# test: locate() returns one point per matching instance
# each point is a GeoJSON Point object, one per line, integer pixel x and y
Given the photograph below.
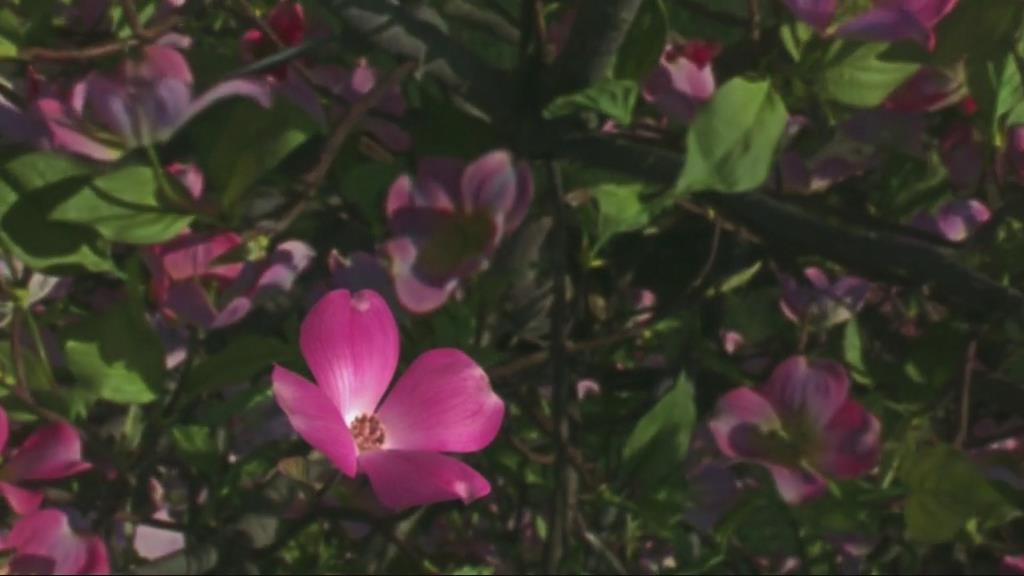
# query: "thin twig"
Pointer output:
{"type": "Point", "coordinates": [710, 263]}
{"type": "Point", "coordinates": [599, 546]}
{"type": "Point", "coordinates": [520, 365]}
{"type": "Point", "coordinates": [965, 395]}
{"type": "Point", "coordinates": [101, 50]}
{"type": "Point", "coordinates": [754, 12]}
{"type": "Point", "coordinates": [315, 178]}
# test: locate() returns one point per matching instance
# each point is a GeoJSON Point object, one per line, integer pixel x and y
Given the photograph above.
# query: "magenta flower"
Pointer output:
{"type": "Point", "coordinates": [802, 426]}
{"type": "Point", "coordinates": [44, 542]}
{"type": "Point", "coordinates": [145, 103]}
{"type": "Point", "coordinates": [955, 221]}
{"type": "Point", "coordinates": [51, 452]}
{"type": "Point", "coordinates": [930, 89]}
{"type": "Point", "coordinates": [449, 221]}
{"type": "Point", "coordinates": [823, 303]}
{"type": "Point", "coordinates": [443, 403]}
{"type": "Point", "coordinates": [201, 278]}
{"type": "Point", "coordinates": [683, 80]}
{"type": "Point", "coordinates": [886, 21]}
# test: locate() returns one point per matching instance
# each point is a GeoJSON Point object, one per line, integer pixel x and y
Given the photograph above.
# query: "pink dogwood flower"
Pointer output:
{"type": "Point", "coordinates": [195, 279]}
{"type": "Point", "coordinates": [44, 542]}
{"type": "Point", "coordinates": [802, 426]}
{"type": "Point", "coordinates": [956, 220]}
{"type": "Point", "coordinates": [442, 404]}
{"type": "Point", "coordinates": [822, 303]}
{"type": "Point", "coordinates": [683, 80]}
{"type": "Point", "coordinates": [449, 221]}
{"type": "Point", "coordinates": [885, 21]}
{"type": "Point", "coordinates": [51, 452]}
{"type": "Point", "coordinates": [145, 103]}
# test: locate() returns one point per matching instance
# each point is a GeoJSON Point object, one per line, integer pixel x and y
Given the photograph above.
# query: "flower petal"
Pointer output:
{"type": "Point", "coordinates": [741, 419]}
{"type": "Point", "coordinates": [806, 390]}
{"type": "Point", "coordinates": [817, 13]}
{"type": "Point", "coordinates": [489, 184]}
{"type": "Point", "coordinates": [21, 500]}
{"type": "Point", "coordinates": [797, 486]}
{"type": "Point", "coordinates": [850, 443]}
{"type": "Point", "coordinates": [52, 451]}
{"type": "Point", "coordinates": [444, 403]}
{"type": "Point", "coordinates": [887, 25]}
{"type": "Point", "coordinates": [4, 430]}
{"type": "Point", "coordinates": [401, 479]}
{"type": "Point", "coordinates": [350, 342]}
{"type": "Point", "coordinates": [315, 418]}
{"type": "Point", "coordinates": [251, 88]}
{"type": "Point", "coordinates": [415, 295]}
{"type": "Point", "coordinates": [45, 538]}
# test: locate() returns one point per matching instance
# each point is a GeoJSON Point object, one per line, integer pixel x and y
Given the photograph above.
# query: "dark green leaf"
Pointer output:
{"type": "Point", "coordinates": [857, 75]}
{"type": "Point", "coordinates": [660, 440]}
{"type": "Point", "coordinates": [644, 43]}
{"type": "Point", "coordinates": [613, 98]}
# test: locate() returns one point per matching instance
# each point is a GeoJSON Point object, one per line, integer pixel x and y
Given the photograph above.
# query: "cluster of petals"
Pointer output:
{"type": "Point", "coordinates": [802, 426]}
{"type": "Point", "coordinates": [449, 220]}
{"type": "Point", "coordinates": [820, 302]}
{"type": "Point", "coordinates": [105, 115]}
{"type": "Point", "coordinates": [51, 452]}
{"type": "Point", "coordinates": [44, 542]}
{"type": "Point", "coordinates": [683, 79]}
{"type": "Point", "coordinates": [955, 220]}
{"type": "Point", "coordinates": [885, 21]}
{"type": "Point", "coordinates": [288, 22]}
{"type": "Point", "coordinates": [201, 278]}
{"type": "Point", "coordinates": [443, 403]}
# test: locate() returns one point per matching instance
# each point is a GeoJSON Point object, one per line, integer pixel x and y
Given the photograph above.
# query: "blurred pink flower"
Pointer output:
{"type": "Point", "coordinates": [443, 403]}
{"type": "Point", "coordinates": [51, 452]}
{"type": "Point", "coordinates": [821, 303]}
{"type": "Point", "coordinates": [885, 21]}
{"type": "Point", "coordinates": [192, 279]}
{"type": "Point", "coordinates": [683, 80]}
{"type": "Point", "coordinates": [449, 221]}
{"type": "Point", "coordinates": [802, 426]}
{"type": "Point", "coordinates": [44, 542]}
{"type": "Point", "coordinates": [955, 221]}
{"type": "Point", "coordinates": [930, 89]}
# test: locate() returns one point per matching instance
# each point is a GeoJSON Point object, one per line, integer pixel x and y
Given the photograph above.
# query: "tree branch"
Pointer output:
{"type": "Point", "coordinates": [597, 33]}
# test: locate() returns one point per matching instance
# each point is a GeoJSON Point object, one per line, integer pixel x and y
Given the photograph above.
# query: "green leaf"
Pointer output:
{"type": "Point", "coordinates": [644, 42]}
{"type": "Point", "coordinates": [246, 142]}
{"type": "Point", "coordinates": [946, 492]}
{"type": "Point", "coordinates": [34, 170]}
{"type": "Point", "coordinates": [117, 355]}
{"type": "Point", "coordinates": [124, 206]}
{"type": "Point", "coordinates": [733, 140]}
{"type": "Point", "coordinates": [853, 353]}
{"type": "Point", "coordinates": [659, 442]}
{"type": "Point", "coordinates": [197, 446]}
{"type": "Point", "coordinates": [613, 98]}
{"type": "Point", "coordinates": [242, 359]}
{"type": "Point", "coordinates": [856, 75]}
{"type": "Point", "coordinates": [619, 210]}
{"type": "Point", "coordinates": [976, 29]}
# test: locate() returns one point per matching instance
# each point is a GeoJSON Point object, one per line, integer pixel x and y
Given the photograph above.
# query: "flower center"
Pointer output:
{"type": "Point", "coordinates": [368, 432]}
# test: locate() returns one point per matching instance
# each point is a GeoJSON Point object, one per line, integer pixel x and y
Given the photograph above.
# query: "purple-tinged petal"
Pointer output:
{"type": "Point", "coordinates": [930, 89]}
{"type": "Point", "coordinates": [807, 391]}
{"type": "Point", "coordinates": [682, 81]}
{"type": "Point", "coordinates": [233, 312]}
{"type": "Point", "coordinates": [489, 184]}
{"type": "Point", "coordinates": [402, 479]}
{"type": "Point", "coordinates": [52, 451]}
{"type": "Point", "coordinates": [251, 88]}
{"type": "Point", "coordinates": [361, 271]}
{"type": "Point", "coordinates": [389, 134]}
{"type": "Point", "coordinates": [817, 13]}
{"type": "Point", "coordinates": [64, 134]}
{"type": "Point", "coordinates": [21, 500]}
{"type": "Point", "coordinates": [414, 294]}
{"type": "Point", "coordinates": [188, 301]}
{"type": "Point", "coordinates": [191, 177]}
{"type": "Point", "coordinates": [443, 403]}
{"type": "Point", "coordinates": [316, 418]}
{"type": "Point", "coordinates": [152, 543]}
{"type": "Point", "coordinates": [850, 443]}
{"type": "Point", "coordinates": [350, 342]}
{"type": "Point", "coordinates": [741, 422]}
{"type": "Point", "coordinates": [284, 265]}
{"type": "Point", "coordinates": [44, 542]}
{"type": "Point", "coordinates": [954, 221]}
{"type": "Point", "coordinates": [963, 155]}
{"type": "Point", "coordinates": [928, 12]}
{"type": "Point", "coordinates": [198, 255]}
{"type": "Point", "coordinates": [302, 95]}
{"type": "Point", "coordinates": [883, 24]}
{"type": "Point", "coordinates": [4, 431]}
{"type": "Point", "coordinates": [797, 486]}
{"type": "Point", "coordinates": [1012, 565]}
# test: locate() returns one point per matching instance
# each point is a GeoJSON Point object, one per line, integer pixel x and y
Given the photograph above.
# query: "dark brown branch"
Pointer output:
{"type": "Point", "coordinates": [101, 50]}
{"type": "Point", "coordinates": [597, 33]}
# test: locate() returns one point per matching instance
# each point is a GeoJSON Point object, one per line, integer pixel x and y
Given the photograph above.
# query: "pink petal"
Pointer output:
{"type": "Point", "coordinates": [52, 451]}
{"type": "Point", "coordinates": [850, 442]}
{"type": "Point", "coordinates": [797, 486]}
{"type": "Point", "coordinates": [302, 95]}
{"type": "Point", "coordinates": [152, 543]}
{"type": "Point", "coordinates": [288, 21]}
{"type": "Point", "coordinates": [21, 500]}
{"type": "Point", "coordinates": [444, 403]}
{"type": "Point", "coordinates": [315, 417]}
{"type": "Point", "coordinates": [489, 184]}
{"type": "Point", "coordinates": [807, 391]}
{"type": "Point", "coordinates": [4, 430]}
{"type": "Point", "coordinates": [254, 89]}
{"type": "Point", "coordinates": [817, 13]}
{"type": "Point", "coordinates": [887, 25]}
{"type": "Point", "coordinates": [414, 294]}
{"type": "Point", "coordinates": [197, 255]}
{"type": "Point", "coordinates": [401, 479]}
{"type": "Point", "coordinates": [742, 418]}
{"type": "Point", "coordinates": [350, 342]}
{"type": "Point", "coordinates": [190, 176]}
{"type": "Point", "coordinates": [45, 539]}
{"type": "Point", "coordinates": [283, 266]}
